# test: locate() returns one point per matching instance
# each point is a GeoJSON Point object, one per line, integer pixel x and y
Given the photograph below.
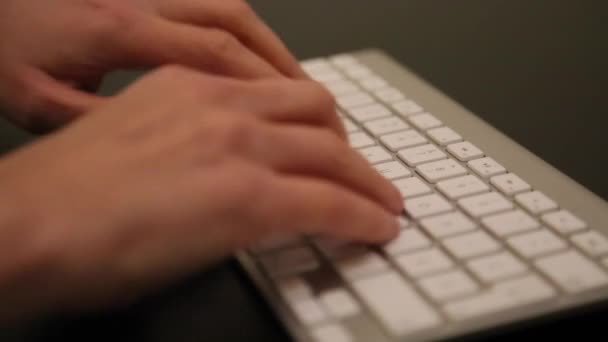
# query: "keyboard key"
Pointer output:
{"type": "Point", "coordinates": [573, 272]}
{"type": "Point", "coordinates": [357, 71]}
{"type": "Point", "coordinates": [426, 205]}
{"type": "Point", "coordinates": [486, 167]}
{"type": "Point", "coordinates": [375, 154]}
{"type": "Point", "coordinates": [423, 263]}
{"type": "Point", "coordinates": [343, 60]}
{"type": "Point", "coordinates": [464, 151]}
{"type": "Point", "coordinates": [369, 112]}
{"type": "Point", "coordinates": [535, 202]}
{"type": "Point", "coordinates": [386, 125]}
{"type": "Point", "coordinates": [349, 126]}
{"type": "Point", "coordinates": [393, 170]}
{"type": "Point", "coordinates": [509, 223]}
{"type": "Point", "coordinates": [294, 288]}
{"type": "Point", "coordinates": [327, 77]}
{"type": "Point", "coordinates": [502, 296]}
{"type": "Point", "coordinates": [373, 83]}
{"type": "Point", "coordinates": [534, 244]}
{"type": "Point", "coordinates": [316, 65]}
{"type": "Point", "coordinates": [448, 224]}
{"type": "Point", "coordinates": [444, 135]}
{"type": "Point", "coordinates": [361, 265]}
{"type": "Point", "coordinates": [389, 95]}
{"type": "Point", "coordinates": [399, 140]}
{"type": "Point", "coordinates": [485, 204]}
{"type": "Point", "coordinates": [308, 311]}
{"type": "Point", "coordinates": [448, 286]}
{"type": "Point", "coordinates": [421, 154]}
{"type": "Point", "coordinates": [564, 222]}
{"type": "Point", "coordinates": [410, 187]}
{"type": "Point", "coordinates": [290, 261]}
{"type": "Point", "coordinates": [341, 87]}
{"type": "Point", "coordinates": [331, 333]}
{"type": "Point", "coordinates": [360, 139]}
{"type": "Point", "coordinates": [407, 107]}
{"type": "Point", "coordinates": [496, 267]}
{"type": "Point", "coordinates": [441, 169]}
{"type": "Point", "coordinates": [353, 100]}
{"type": "Point", "coordinates": [410, 239]}
{"type": "Point", "coordinates": [593, 243]}
{"type": "Point", "coordinates": [510, 184]}
{"type": "Point", "coordinates": [397, 306]}
{"type": "Point", "coordinates": [462, 186]}
{"type": "Point", "coordinates": [424, 121]}
{"type": "Point", "coordinates": [339, 303]}
{"type": "Point", "coordinates": [471, 244]}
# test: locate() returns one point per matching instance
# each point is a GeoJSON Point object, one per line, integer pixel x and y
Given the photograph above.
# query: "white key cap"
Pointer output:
{"type": "Point", "coordinates": [464, 151]}
{"type": "Point", "coordinates": [447, 224]}
{"type": "Point", "coordinates": [444, 135]}
{"type": "Point", "coordinates": [410, 239]}
{"type": "Point", "coordinates": [485, 204]}
{"type": "Point", "coordinates": [386, 125]}
{"type": "Point", "coordinates": [448, 286]}
{"type": "Point", "coordinates": [399, 307]}
{"type": "Point", "coordinates": [535, 202]}
{"type": "Point", "coordinates": [486, 167]}
{"type": "Point", "coordinates": [496, 267]}
{"type": "Point", "coordinates": [424, 121]}
{"type": "Point", "coordinates": [357, 71]}
{"type": "Point", "coordinates": [392, 170]}
{"type": "Point", "coordinates": [410, 187]}
{"type": "Point", "coordinates": [360, 139]}
{"type": "Point", "coordinates": [399, 140]}
{"type": "Point", "coordinates": [471, 244]}
{"type": "Point", "coordinates": [316, 65]}
{"type": "Point", "coordinates": [331, 333]}
{"type": "Point", "coordinates": [421, 154]}
{"type": "Point", "coordinates": [573, 272]}
{"type": "Point", "coordinates": [361, 265]}
{"type": "Point", "coordinates": [536, 243]}
{"type": "Point", "coordinates": [369, 112]}
{"type": "Point", "coordinates": [353, 100]}
{"type": "Point", "coordinates": [503, 296]}
{"type": "Point", "coordinates": [462, 186]}
{"type": "Point", "coordinates": [564, 222]}
{"type": "Point", "coordinates": [407, 107]}
{"type": "Point", "coordinates": [375, 154]}
{"type": "Point", "coordinates": [309, 311]}
{"type": "Point", "coordinates": [426, 205]}
{"type": "Point", "coordinates": [290, 261]}
{"type": "Point", "coordinates": [592, 242]}
{"type": "Point", "coordinates": [441, 169]}
{"type": "Point", "coordinates": [294, 288]}
{"type": "Point", "coordinates": [424, 262]}
{"type": "Point", "coordinates": [349, 126]}
{"type": "Point", "coordinates": [509, 223]}
{"type": "Point", "coordinates": [389, 95]}
{"type": "Point", "coordinates": [373, 83]}
{"type": "Point", "coordinates": [510, 184]}
{"type": "Point", "coordinates": [339, 303]}
{"type": "Point", "coordinates": [342, 87]}
{"type": "Point", "coordinates": [343, 60]}
{"type": "Point", "coordinates": [327, 77]}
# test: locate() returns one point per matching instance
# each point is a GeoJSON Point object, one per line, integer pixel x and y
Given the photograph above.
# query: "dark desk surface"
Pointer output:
{"type": "Point", "coordinates": [536, 70]}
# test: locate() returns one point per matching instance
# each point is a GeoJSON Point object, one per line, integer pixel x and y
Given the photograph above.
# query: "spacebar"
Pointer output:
{"type": "Point", "coordinates": [398, 307]}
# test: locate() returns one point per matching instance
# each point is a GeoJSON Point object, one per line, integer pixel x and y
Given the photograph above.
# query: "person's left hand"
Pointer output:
{"type": "Point", "coordinates": [54, 53]}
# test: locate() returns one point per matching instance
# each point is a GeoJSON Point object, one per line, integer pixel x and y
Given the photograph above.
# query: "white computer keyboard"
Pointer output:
{"type": "Point", "coordinates": [478, 241]}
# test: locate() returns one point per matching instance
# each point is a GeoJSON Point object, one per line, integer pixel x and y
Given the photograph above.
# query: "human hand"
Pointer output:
{"type": "Point", "coordinates": [177, 171]}
{"type": "Point", "coordinates": [52, 54]}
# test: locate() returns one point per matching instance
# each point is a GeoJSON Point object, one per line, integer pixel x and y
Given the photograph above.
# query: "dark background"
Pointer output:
{"type": "Point", "coordinates": [536, 70]}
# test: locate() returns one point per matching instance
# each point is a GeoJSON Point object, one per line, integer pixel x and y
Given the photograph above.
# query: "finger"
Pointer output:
{"type": "Point", "coordinates": [306, 151]}
{"type": "Point", "coordinates": [47, 103]}
{"type": "Point", "coordinates": [313, 206]}
{"type": "Point", "coordinates": [156, 41]}
{"type": "Point", "coordinates": [290, 101]}
{"type": "Point", "coordinates": [236, 17]}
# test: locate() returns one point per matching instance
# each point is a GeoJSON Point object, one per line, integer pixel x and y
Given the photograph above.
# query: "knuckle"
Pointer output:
{"type": "Point", "coordinates": [112, 18]}
{"type": "Point", "coordinates": [234, 134]}
{"type": "Point", "coordinates": [222, 44]}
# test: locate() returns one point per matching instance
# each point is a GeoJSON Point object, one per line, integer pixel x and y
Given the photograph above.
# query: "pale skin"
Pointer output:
{"type": "Point", "coordinates": [184, 167]}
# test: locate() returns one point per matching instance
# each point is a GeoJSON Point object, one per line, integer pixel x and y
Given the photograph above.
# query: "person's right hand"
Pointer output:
{"type": "Point", "coordinates": [179, 170]}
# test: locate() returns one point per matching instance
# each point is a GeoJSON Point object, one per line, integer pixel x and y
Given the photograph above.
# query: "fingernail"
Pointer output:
{"type": "Point", "coordinates": [397, 202]}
